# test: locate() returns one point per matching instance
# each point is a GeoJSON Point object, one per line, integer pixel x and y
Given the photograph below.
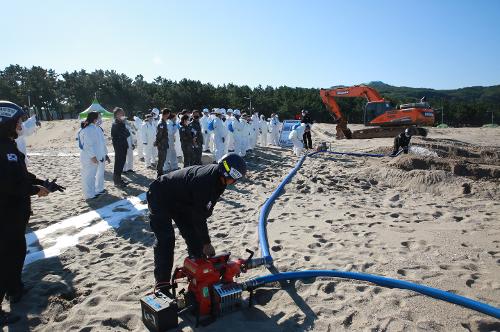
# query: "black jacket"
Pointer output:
{"type": "Point", "coordinates": [162, 135]}
{"type": "Point", "coordinates": [403, 140]}
{"type": "Point", "coordinates": [188, 195]}
{"type": "Point", "coordinates": [16, 185]}
{"type": "Point", "coordinates": [197, 133]}
{"type": "Point", "coordinates": [307, 119]}
{"type": "Point", "coordinates": [119, 134]}
{"type": "Point", "coordinates": [186, 135]}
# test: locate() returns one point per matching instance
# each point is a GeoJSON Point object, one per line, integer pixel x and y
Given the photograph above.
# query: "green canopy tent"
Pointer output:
{"type": "Point", "coordinates": [96, 107]}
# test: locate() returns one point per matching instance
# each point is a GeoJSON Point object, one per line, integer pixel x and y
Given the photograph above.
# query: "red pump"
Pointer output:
{"type": "Point", "coordinates": [212, 290]}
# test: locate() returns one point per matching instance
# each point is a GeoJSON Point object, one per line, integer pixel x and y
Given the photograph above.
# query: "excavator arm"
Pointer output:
{"type": "Point", "coordinates": [328, 98]}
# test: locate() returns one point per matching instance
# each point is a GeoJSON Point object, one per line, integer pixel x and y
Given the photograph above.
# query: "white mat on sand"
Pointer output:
{"type": "Point", "coordinates": [68, 233]}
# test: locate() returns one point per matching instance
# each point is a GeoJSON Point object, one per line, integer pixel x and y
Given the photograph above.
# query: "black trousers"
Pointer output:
{"type": "Point", "coordinates": [308, 144]}
{"type": "Point", "coordinates": [12, 254]}
{"type": "Point", "coordinates": [162, 156]}
{"type": "Point", "coordinates": [187, 151]}
{"type": "Point", "coordinates": [120, 158]}
{"type": "Point", "coordinates": [161, 225]}
{"type": "Point", "coordinates": [196, 158]}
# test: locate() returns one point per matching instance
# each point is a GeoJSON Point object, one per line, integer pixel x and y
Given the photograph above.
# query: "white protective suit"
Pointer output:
{"type": "Point", "coordinates": [255, 130]}
{"type": "Point", "coordinates": [29, 127]}
{"type": "Point", "coordinates": [239, 137]}
{"type": "Point", "coordinates": [296, 137]}
{"type": "Point", "coordinates": [274, 130]}
{"type": "Point", "coordinates": [220, 138]}
{"type": "Point", "coordinates": [138, 137]}
{"type": "Point", "coordinates": [230, 134]}
{"type": "Point", "coordinates": [148, 140]}
{"type": "Point", "coordinates": [129, 162]}
{"type": "Point", "coordinates": [204, 120]}
{"type": "Point", "coordinates": [92, 144]}
{"type": "Point", "coordinates": [263, 131]}
{"type": "Point", "coordinates": [173, 138]}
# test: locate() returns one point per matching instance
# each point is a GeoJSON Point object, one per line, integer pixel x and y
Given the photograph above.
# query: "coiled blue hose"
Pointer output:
{"type": "Point", "coordinates": [375, 279]}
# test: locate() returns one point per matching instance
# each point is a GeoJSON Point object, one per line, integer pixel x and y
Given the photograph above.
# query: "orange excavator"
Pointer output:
{"type": "Point", "coordinates": [389, 120]}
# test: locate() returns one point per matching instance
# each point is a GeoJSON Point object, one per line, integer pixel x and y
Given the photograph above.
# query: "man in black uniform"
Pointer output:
{"type": "Point", "coordinates": [119, 135]}
{"type": "Point", "coordinates": [198, 138]}
{"type": "Point", "coordinates": [306, 118]}
{"type": "Point", "coordinates": [17, 185]}
{"type": "Point", "coordinates": [186, 140]}
{"type": "Point", "coordinates": [161, 141]}
{"type": "Point", "coordinates": [402, 141]}
{"type": "Point", "coordinates": [188, 197]}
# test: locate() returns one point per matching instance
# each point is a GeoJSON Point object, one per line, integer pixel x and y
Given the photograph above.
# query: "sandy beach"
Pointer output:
{"type": "Point", "coordinates": [430, 217]}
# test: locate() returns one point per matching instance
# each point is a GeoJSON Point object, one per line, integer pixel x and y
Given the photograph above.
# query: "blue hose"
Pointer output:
{"type": "Point", "coordinates": [381, 281]}
{"type": "Point", "coordinates": [375, 279]}
{"type": "Point", "coordinates": [264, 212]}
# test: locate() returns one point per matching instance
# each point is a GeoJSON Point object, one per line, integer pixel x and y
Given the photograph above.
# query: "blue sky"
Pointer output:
{"type": "Point", "coordinates": [419, 43]}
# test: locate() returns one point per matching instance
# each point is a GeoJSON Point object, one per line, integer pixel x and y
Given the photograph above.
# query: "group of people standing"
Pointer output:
{"type": "Point", "coordinates": [233, 131]}
{"type": "Point", "coordinates": [164, 136]}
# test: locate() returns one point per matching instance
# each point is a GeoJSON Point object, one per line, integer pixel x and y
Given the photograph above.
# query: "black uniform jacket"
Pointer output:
{"type": "Point", "coordinates": [16, 185]}
{"type": "Point", "coordinates": [186, 135]}
{"type": "Point", "coordinates": [403, 140]}
{"type": "Point", "coordinates": [188, 195]}
{"type": "Point", "coordinates": [119, 134]}
{"type": "Point", "coordinates": [196, 131]}
{"type": "Point", "coordinates": [162, 135]}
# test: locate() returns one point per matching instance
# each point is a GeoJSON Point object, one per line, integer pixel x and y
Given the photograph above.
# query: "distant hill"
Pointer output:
{"type": "Point", "coordinates": [478, 94]}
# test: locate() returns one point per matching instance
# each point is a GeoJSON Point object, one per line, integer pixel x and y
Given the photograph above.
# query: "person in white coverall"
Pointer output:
{"type": "Point", "coordinates": [238, 134]}
{"type": "Point", "coordinates": [263, 132]}
{"type": "Point", "coordinates": [171, 163]}
{"type": "Point", "coordinates": [220, 138]}
{"type": "Point", "coordinates": [204, 120]}
{"type": "Point", "coordinates": [156, 120]}
{"type": "Point", "coordinates": [296, 136]}
{"type": "Point", "coordinates": [274, 126]}
{"type": "Point", "coordinates": [29, 127]}
{"type": "Point", "coordinates": [230, 134]}
{"type": "Point", "coordinates": [255, 130]}
{"type": "Point", "coordinates": [223, 117]}
{"type": "Point", "coordinates": [148, 140]}
{"type": "Point", "coordinates": [138, 137]}
{"type": "Point", "coordinates": [93, 155]}
{"type": "Point", "coordinates": [129, 162]}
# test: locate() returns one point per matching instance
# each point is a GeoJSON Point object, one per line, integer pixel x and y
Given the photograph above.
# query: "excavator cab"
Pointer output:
{"type": "Point", "coordinates": [374, 109]}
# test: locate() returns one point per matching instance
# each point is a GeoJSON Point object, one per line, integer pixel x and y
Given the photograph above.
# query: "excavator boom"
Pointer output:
{"type": "Point", "coordinates": [378, 112]}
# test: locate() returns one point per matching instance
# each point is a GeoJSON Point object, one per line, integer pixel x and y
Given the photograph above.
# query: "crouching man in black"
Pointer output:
{"type": "Point", "coordinates": [402, 141]}
{"type": "Point", "coordinates": [187, 197]}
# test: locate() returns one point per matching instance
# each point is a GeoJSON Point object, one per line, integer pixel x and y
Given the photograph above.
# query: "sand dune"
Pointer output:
{"type": "Point", "coordinates": [430, 220]}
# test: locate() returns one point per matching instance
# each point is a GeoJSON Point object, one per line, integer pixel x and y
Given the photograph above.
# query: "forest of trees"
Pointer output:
{"type": "Point", "coordinates": [72, 92]}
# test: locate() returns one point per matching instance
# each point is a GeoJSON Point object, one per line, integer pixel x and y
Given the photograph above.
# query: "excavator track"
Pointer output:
{"type": "Point", "coordinates": [382, 132]}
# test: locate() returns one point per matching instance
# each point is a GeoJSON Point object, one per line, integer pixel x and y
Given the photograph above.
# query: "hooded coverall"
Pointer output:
{"type": "Point", "coordinates": [92, 144]}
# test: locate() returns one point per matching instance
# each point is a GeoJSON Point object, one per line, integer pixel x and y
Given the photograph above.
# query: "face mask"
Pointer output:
{"type": "Point", "coordinates": [123, 118]}
{"type": "Point", "coordinates": [99, 122]}
{"type": "Point", "coordinates": [19, 132]}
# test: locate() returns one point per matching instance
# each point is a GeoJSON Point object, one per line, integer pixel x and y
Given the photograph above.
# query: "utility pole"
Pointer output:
{"type": "Point", "coordinates": [250, 99]}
